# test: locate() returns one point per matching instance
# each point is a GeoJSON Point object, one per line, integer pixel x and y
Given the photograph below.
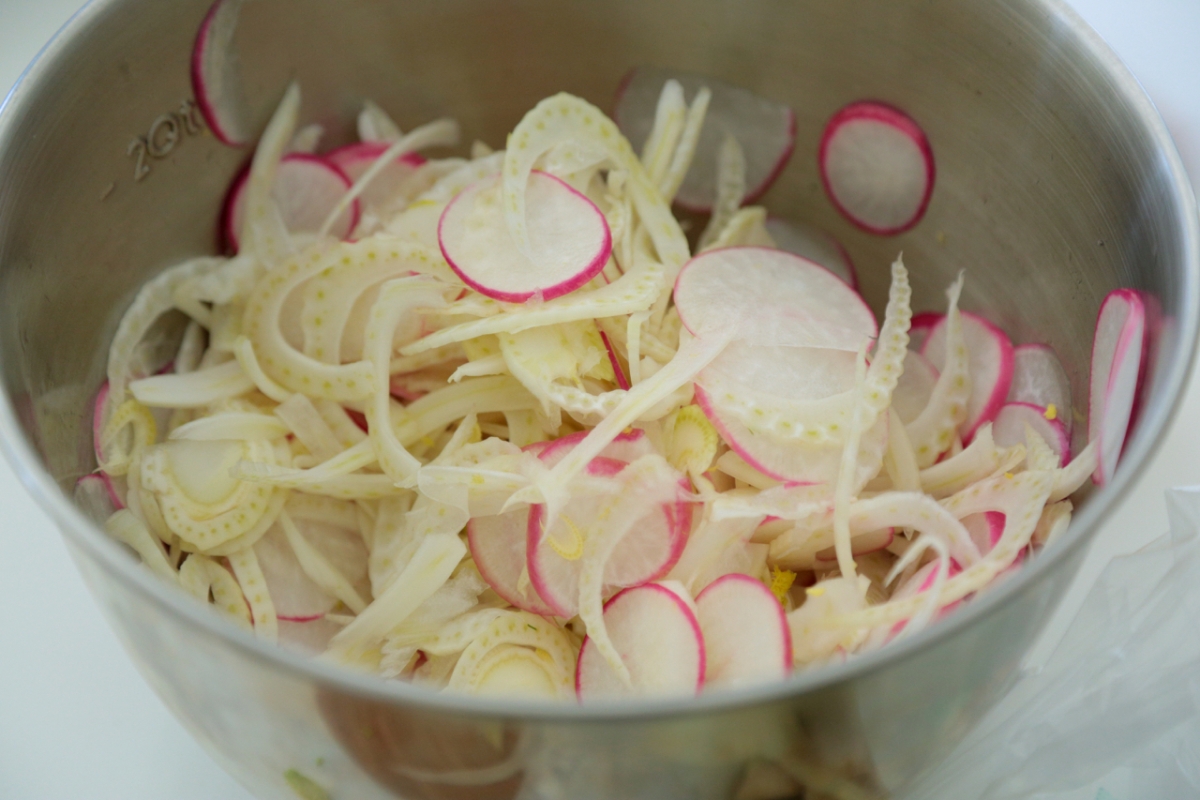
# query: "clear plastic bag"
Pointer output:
{"type": "Point", "coordinates": [1114, 713]}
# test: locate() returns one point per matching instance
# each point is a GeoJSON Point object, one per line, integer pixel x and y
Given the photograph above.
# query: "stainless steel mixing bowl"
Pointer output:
{"type": "Point", "coordinates": [1057, 182]}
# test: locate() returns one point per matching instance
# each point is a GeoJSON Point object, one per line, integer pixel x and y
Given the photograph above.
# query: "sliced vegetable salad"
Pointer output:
{"type": "Point", "coordinates": [496, 425]}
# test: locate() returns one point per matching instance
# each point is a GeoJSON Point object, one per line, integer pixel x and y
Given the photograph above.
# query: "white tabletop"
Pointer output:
{"type": "Point", "coordinates": [77, 721]}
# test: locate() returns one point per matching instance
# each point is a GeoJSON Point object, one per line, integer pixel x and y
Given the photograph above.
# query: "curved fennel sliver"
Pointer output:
{"type": "Point", "coordinates": [933, 430]}
{"type": "Point", "coordinates": [264, 236]}
{"type": "Point", "coordinates": [397, 298]}
{"type": "Point", "coordinates": [283, 363]}
{"type": "Point", "coordinates": [155, 298]}
{"type": "Point", "coordinates": [1020, 498]}
{"type": "Point", "coordinates": [632, 292]}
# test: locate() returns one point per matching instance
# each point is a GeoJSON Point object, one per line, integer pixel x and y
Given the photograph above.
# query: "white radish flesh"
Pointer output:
{"type": "Point", "coordinates": [297, 598]}
{"type": "Point", "coordinates": [215, 76]}
{"type": "Point", "coordinates": [306, 189]}
{"type": "Point", "coordinates": [1012, 419]}
{"type": "Point", "coordinates": [555, 558]}
{"type": "Point", "coordinates": [355, 159]}
{"type": "Point", "coordinates": [765, 130]}
{"type": "Point", "coordinates": [1117, 363]}
{"type": "Point", "coordinates": [771, 298]}
{"type": "Point", "coordinates": [659, 639]}
{"type": "Point", "coordinates": [990, 355]}
{"type": "Point", "coordinates": [1039, 378]}
{"type": "Point", "coordinates": [746, 635]}
{"type": "Point", "coordinates": [569, 240]}
{"type": "Point", "coordinates": [915, 387]}
{"type": "Point", "coordinates": [985, 529]}
{"type": "Point", "coordinates": [877, 167]}
{"type": "Point", "coordinates": [921, 325]}
{"type": "Point", "coordinates": [809, 241]}
{"type": "Point", "coordinates": [498, 546]}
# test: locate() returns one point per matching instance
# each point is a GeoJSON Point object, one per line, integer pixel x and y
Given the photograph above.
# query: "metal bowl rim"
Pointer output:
{"type": "Point", "coordinates": [1151, 431]}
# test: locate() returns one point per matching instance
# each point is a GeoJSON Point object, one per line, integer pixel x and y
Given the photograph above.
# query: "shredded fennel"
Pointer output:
{"type": "Point", "coordinates": [423, 449]}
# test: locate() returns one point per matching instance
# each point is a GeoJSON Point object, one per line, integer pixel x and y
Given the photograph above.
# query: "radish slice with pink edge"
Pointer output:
{"type": "Point", "coordinates": [306, 189]}
{"type": "Point", "coordinates": [1151, 340]}
{"type": "Point", "coordinates": [798, 327]}
{"type": "Point", "coordinates": [655, 631]}
{"type": "Point", "coordinates": [877, 167]}
{"type": "Point", "coordinates": [919, 328]}
{"type": "Point", "coordinates": [647, 551]}
{"type": "Point", "coordinates": [746, 633]}
{"type": "Point", "coordinates": [922, 581]}
{"type": "Point", "coordinates": [618, 373]}
{"type": "Point", "coordinates": [216, 79]}
{"type": "Point", "coordinates": [1039, 378]}
{"type": "Point", "coordinates": [95, 498]}
{"type": "Point", "coordinates": [990, 359]}
{"type": "Point", "coordinates": [771, 298]}
{"type": "Point", "coordinates": [1008, 428]}
{"type": "Point", "coordinates": [985, 529]}
{"type": "Point", "coordinates": [497, 545]}
{"type": "Point", "coordinates": [1117, 363]}
{"type": "Point", "coordinates": [766, 131]}
{"type": "Point", "coordinates": [311, 637]}
{"type": "Point", "coordinates": [629, 446]}
{"type": "Point", "coordinates": [915, 387]}
{"type": "Point", "coordinates": [809, 241]}
{"type": "Point", "coordinates": [789, 460]}
{"type": "Point", "coordinates": [355, 159]}
{"type": "Point", "coordinates": [297, 597]}
{"type": "Point", "coordinates": [569, 238]}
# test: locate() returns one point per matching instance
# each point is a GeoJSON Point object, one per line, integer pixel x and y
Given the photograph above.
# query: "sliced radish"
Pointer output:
{"type": "Point", "coordinates": [1009, 428]}
{"type": "Point", "coordinates": [629, 446]}
{"type": "Point", "coordinates": [296, 597]}
{"type": "Point", "coordinates": [922, 581]}
{"type": "Point", "coordinates": [648, 551]}
{"type": "Point", "coordinates": [1039, 378]}
{"type": "Point", "coordinates": [1118, 358]}
{"type": "Point", "coordinates": [498, 546]}
{"type": "Point", "coordinates": [306, 189]}
{"type": "Point", "coordinates": [920, 326]}
{"type": "Point", "coordinates": [809, 241]}
{"type": "Point", "coordinates": [1151, 340]}
{"type": "Point", "coordinates": [618, 373]}
{"type": "Point", "coordinates": [355, 159]}
{"type": "Point", "coordinates": [95, 497]}
{"type": "Point", "coordinates": [985, 529]}
{"type": "Point", "coordinates": [311, 637]}
{"type": "Point", "coordinates": [781, 392]}
{"type": "Point", "coordinates": [784, 459]}
{"type": "Point", "coordinates": [569, 236]}
{"type": "Point", "coordinates": [990, 356]}
{"type": "Point", "coordinates": [654, 629]}
{"type": "Point", "coordinates": [766, 130]}
{"type": "Point", "coordinates": [877, 167]}
{"type": "Point", "coordinates": [746, 634]}
{"type": "Point", "coordinates": [771, 298]}
{"type": "Point", "coordinates": [915, 386]}
{"type": "Point", "coordinates": [215, 76]}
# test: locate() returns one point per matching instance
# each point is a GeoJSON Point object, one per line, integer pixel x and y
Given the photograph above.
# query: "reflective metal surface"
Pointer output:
{"type": "Point", "coordinates": [1057, 183]}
